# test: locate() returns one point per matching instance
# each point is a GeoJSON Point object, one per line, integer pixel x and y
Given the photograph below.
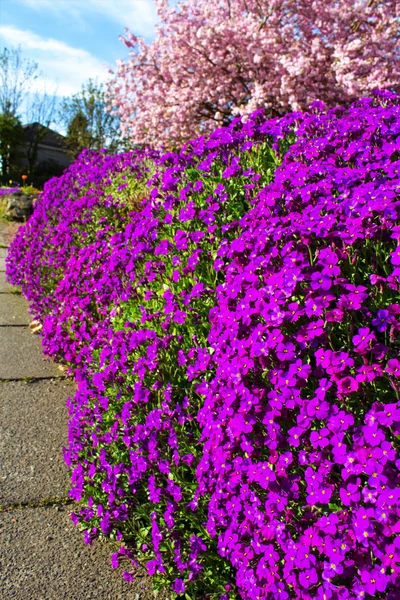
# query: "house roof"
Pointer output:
{"type": "Point", "coordinates": [52, 138]}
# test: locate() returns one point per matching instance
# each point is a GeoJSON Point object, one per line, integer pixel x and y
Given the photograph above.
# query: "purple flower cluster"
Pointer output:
{"type": "Point", "coordinates": [136, 397]}
{"type": "Point", "coordinates": [6, 191]}
{"type": "Point", "coordinates": [301, 415]}
{"type": "Point", "coordinates": [68, 215]}
{"type": "Point", "coordinates": [230, 314]}
{"type": "Point", "coordinates": [124, 298]}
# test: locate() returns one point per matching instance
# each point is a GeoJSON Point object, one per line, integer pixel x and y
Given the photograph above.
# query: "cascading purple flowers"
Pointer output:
{"type": "Point", "coordinates": [233, 334]}
{"type": "Point", "coordinates": [301, 418]}
{"type": "Point", "coordinates": [62, 215]}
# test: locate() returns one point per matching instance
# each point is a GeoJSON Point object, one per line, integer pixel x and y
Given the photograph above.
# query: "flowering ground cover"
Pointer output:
{"type": "Point", "coordinates": [4, 191]}
{"type": "Point", "coordinates": [234, 341]}
{"type": "Point", "coordinates": [301, 419]}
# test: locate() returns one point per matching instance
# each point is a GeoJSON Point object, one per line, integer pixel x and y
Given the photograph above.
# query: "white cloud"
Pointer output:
{"type": "Point", "coordinates": [138, 15]}
{"type": "Point", "coordinates": [64, 67]}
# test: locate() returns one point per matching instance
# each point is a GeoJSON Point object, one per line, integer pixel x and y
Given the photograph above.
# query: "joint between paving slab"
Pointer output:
{"type": "Point", "coordinates": [34, 379]}
{"type": "Point", "coordinates": [38, 504]}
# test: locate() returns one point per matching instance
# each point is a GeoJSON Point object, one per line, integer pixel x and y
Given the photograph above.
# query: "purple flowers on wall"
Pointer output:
{"type": "Point", "coordinates": [302, 461]}
{"type": "Point", "coordinates": [230, 314]}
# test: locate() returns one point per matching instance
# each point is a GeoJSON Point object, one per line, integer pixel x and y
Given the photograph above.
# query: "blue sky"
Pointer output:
{"type": "Point", "coordinates": [73, 40]}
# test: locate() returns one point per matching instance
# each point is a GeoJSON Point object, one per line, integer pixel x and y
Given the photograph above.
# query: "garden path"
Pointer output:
{"type": "Point", "coordinates": [42, 554]}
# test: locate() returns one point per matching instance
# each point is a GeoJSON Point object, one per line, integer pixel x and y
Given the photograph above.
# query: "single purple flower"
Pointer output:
{"type": "Point", "coordinates": [179, 586]}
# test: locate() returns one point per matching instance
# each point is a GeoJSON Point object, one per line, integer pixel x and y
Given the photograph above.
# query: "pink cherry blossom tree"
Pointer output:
{"type": "Point", "coordinates": [214, 59]}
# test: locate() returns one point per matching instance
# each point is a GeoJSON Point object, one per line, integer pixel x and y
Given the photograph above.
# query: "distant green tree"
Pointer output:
{"type": "Point", "coordinates": [11, 138]}
{"type": "Point", "coordinates": [78, 133]}
{"type": "Point", "coordinates": [86, 122]}
{"type": "Point", "coordinates": [17, 74]}
{"type": "Point", "coordinates": [42, 109]}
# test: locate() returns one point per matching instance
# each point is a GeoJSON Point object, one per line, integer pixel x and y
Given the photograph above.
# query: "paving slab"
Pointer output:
{"type": "Point", "coordinates": [21, 355]}
{"type": "Point", "coordinates": [13, 310]}
{"type": "Point", "coordinates": [43, 557]}
{"type": "Point", "coordinates": [7, 232]}
{"type": "Point", "coordinates": [5, 239]}
{"type": "Point", "coordinates": [5, 287]}
{"type": "Point", "coordinates": [3, 254]}
{"type": "Point", "coordinates": [33, 431]}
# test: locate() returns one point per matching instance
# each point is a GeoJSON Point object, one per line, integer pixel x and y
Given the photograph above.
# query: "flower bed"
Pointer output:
{"type": "Point", "coordinates": [301, 420]}
{"type": "Point", "coordinates": [5, 191]}
{"type": "Point", "coordinates": [234, 342]}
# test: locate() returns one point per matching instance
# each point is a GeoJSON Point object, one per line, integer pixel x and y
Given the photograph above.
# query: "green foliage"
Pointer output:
{"type": "Point", "coordinates": [11, 138]}
{"type": "Point", "coordinates": [29, 189]}
{"type": "Point", "coordinates": [88, 125]}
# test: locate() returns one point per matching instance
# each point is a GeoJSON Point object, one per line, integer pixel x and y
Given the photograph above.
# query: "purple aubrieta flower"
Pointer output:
{"type": "Point", "coordinates": [319, 438]}
{"type": "Point", "coordinates": [114, 560]}
{"type": "Point", "coordinates": [393, 367]}
{"type": "Point", "coordinates": [295, 434]}
{"type": "Point", "coordinates": [350, 494]}
{"type": "Point", "coordinates": [308, 578]}
{"type": "Point", "coordinates": [198, 186]}
{"type": "Point", "coordinates": [374, 580]}
{"type": "Point", "coordinates": [395, 256]}
{"type": "Point", "coordinates": [362, 341]}
{"type": "Point", "coordinates": [179, 586]}
{"type": "Point", "coordinates": [382, 320]}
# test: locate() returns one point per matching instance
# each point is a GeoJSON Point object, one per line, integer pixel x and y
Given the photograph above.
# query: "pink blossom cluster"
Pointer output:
{"type": "Point", "coordinates": [214, 59]}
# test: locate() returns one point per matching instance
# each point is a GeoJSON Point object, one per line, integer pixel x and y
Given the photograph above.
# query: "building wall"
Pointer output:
{"type": "Point", "coordinates": [46, 153]}
{"type": "Point", "coordinates": [49, 152]}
